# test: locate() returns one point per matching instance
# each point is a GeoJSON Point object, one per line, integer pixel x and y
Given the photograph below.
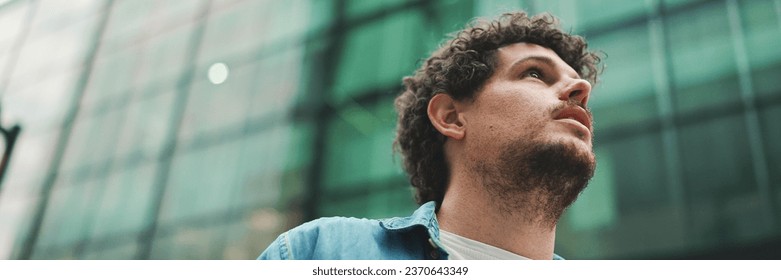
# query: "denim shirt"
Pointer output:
{"type": "Point", "coordinates": [403, 238]}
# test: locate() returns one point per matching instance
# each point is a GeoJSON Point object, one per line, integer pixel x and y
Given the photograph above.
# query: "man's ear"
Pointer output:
{"type": "Point", "coordinates": [445, 116]}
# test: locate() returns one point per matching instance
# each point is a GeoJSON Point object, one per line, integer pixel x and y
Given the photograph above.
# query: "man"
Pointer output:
{"type": "Point", "coordinates": [496, 138]}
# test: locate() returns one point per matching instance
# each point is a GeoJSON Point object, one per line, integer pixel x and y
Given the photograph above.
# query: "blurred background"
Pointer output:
{"type": "Point", "coordinates": [202, 129]}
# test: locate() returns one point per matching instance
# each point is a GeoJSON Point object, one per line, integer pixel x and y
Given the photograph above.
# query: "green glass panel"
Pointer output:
{"type": "Point", "coordinates": [111, 79]}
{"type": "Point", "coordinates": [123, 206]}
{"type": "Point", "coordinates": [126, 23]}
{"type": "Point", "coordinates": [239, 31]}
{"type": "Point", "coordinates": [453, 15]}
{"type": "Point", "coordinates": [673, 4]}
{"type": "Point", "coordinates": [627, 76]}
{"type": "Point", "coordinates": [640, 174]}
{"type": "Point", "coordinates": [716, 159]}
{"type": "Point", "coordinates": [272, 166]}
{"type": "Point", "coordinates": [702, 57]}
{"type": "Point", "coordinates": [213, 108]}
{"type": "Point", "coordinates": [597, 206]}
{"type": "Point", "coordinates": [762, 30]}
{"type": "Point", "coordinates": [163, 58]}
{"type": "Point", "coordinates": [190, 243]}
{"type": "Point", "coordinates": [94, 139]}
{"type": "Point", "coordinates": [144, 129]}
{"type": "Point", "coordinates": [277, 84]}
{"type": "Point", "coordinates": [359, 146]}
{"type": "Point", "coordinates": [12, 19]}
{"type": "Point", "coordinates": [125, 249]}
{"type": "Point", "coordinates": [771, 136]}
{"type": "Point", "coordinates": [631, 113]}
{"type": "Point", "coordinates": [357, 8]}
{"type": "Point", "coordinates": [587, 15]}
{"type": "Point", "coordinates": [201, 182]}
{"type": "Point", "coordinates": [391, 200]}
{"type": "Point", "coordinates": [69, 215]}
{"type": "Point", "coordinates": [380, 53]}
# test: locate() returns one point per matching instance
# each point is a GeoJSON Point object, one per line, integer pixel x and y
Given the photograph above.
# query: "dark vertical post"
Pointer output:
{"type": "Point", "coordinates": [9, 135]}
{"type": "Point", "coordinates": [166, 156]}
{"type": "Point", "coordinates": [324, 70]}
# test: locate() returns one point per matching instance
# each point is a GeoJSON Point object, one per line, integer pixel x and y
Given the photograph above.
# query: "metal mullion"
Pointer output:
{"type": "Point", "coordinates": [662, 69]}
{"type": "Point", "coordinates": [168, 152]}
{"type": "Point", "coordinates": [751, 117]}
{"type": "Point", "coordinates": [64, 138]}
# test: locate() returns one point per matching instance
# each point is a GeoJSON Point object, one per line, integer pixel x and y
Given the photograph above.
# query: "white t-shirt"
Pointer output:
{"type": "Point", "coordinates": [462, 248]}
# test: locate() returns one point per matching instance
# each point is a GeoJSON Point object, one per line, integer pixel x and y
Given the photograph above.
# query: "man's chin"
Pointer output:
{"type": "Point", "coordinates": [558, 172]}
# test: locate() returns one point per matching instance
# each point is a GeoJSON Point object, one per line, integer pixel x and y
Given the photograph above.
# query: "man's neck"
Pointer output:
{"type": "Point", "coordinates": [469, 211]}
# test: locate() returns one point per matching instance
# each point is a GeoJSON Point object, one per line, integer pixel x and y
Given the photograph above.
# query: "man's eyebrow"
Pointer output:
{"type": "Point", "coordinates": [542, 59]}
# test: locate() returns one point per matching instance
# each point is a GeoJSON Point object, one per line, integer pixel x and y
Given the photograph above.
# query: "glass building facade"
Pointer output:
{"type": "Point", "coordinates": [202, 129]}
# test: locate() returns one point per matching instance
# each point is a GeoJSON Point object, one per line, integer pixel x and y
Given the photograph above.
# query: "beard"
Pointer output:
{"type": "Point", "coordinates": [539, 180]}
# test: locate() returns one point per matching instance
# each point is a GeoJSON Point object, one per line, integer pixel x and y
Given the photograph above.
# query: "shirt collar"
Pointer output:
{"type": "Point", "coordinates": [426, 217]}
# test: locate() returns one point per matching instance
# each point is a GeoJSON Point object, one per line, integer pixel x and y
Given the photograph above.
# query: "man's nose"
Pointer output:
{"type": "Point", "coordinates": [578, 91]}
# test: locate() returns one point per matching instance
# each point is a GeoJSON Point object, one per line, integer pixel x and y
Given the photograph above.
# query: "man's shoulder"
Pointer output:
{"type": "Point", "coordinates": [325, 238]}
{"type": "Point", "coordinates": [355, 238]}
{"type": "Point", "coordinates": [335, 226]}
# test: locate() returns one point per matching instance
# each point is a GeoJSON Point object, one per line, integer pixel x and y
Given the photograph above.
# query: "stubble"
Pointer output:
{"type": "Point", "coordinates": [538, 180]}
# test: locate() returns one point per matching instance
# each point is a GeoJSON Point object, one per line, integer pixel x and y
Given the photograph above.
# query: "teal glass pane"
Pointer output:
{"type": "Point", "coordinates": [12, 19]}
{"type": "Point", "coordinates": [94, 139]}
{"type": "Point", "coordinates": [111, 79]}
{"type": "Point", "coordinates": [127, 23]}
{"type": "Point", "coordinates": [380, 53]}
{"type": "Point", "coordinates": [42, 104]}
{"type": "Point", "coordinates": [595, 210]}
{"type": "Point", "coordinates": [729, 221]}
{"type": "Point", "coordinates": [626, 201]}
{"type": "Point", "coordinates": [452, 15]}
{"type": "Point", "coordinates": [586, 15]}
{"type": "Point", "coordinates": [762, 30]}
{"type": "Point", "coordinates": [70, 213]}
{"type": "Point", "coordinates": [201, 182]}
{"type": "Point", "coordinates": [123, 208]}
{"type": "Point", "coordinates": [165, 14]}
{"type": "Point", "coordinates": [716, 159]}
{"type": "Point", "coordinates": [702, 57]}
{"type": "Point", "coordinates": [278, 84]}
{"type": "Point", "coordinates": [125, 249]}
{"type": "Point", "coordinates": [605, 13]}
{"type": "Point", "coordinates": [385, 199]}
{"type": "Point", "coordinates": [771, 136]}
{"type": "Point", "coordinates": [163, 59]}
{"type": "Point", "coordinates": [674, 4]}
{"type": "Point", "coordinates": [359, 147]}
{"type": "Point", "coordinates": [190, 243]}
{"type": "Point", "coordinates": [239, 31]}
{"type": "Point", "coordinates": [273, 166]}
{"type": "Point", "coordinates": [37, 60]}
{"type": "Point", "coordinates": [625, 94]}
{"type": "Point", "coordinates": [597, 206]}
{"type": "Point", "coordinates": [214, 108]}
{"type": "Point", "coordinates": [355, 8]}
{"type": "Point", "coordinates": [22, 208]}
{"type": "Point", "coordinates": [246, 238]}
{"type": "Point", "coordinates": [145, 126]}
{"type": "Point", "coordinates": [639, 172]}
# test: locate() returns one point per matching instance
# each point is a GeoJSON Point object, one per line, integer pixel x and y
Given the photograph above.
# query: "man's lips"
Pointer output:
{"type": "Point", "coordinates": [576, 113]}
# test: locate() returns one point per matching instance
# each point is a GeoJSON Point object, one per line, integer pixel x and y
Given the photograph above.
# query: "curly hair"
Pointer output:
{"type": "Point", "coordinates": [459, 68]}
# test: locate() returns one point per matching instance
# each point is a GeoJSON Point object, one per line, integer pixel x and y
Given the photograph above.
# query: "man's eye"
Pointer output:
{"type": "Point", "coordinates": [534, 74]}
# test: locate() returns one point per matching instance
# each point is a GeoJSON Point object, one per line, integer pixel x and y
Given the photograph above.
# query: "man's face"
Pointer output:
{"type": "Point", "coordinates": [528, 126]}
{"type": "Point", "coordinates": [533, 95]}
